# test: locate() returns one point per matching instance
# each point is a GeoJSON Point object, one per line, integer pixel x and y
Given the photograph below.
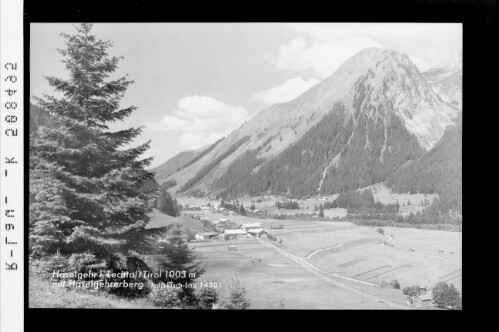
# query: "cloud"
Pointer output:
{"type": "Point", "coordinates": [323, 47]}
{"type": "Point", "coordinates": [328, 31]}
{"type": "Point", "coordinates": [201, 120]}
{"type": "Point", "coordinates": [320, 56]}
{"type": "Point", "coordinates": [287, 91]}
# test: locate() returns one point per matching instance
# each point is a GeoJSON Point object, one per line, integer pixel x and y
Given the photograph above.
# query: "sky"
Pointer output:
{"type": "Point", "coordinates": [196, 82]}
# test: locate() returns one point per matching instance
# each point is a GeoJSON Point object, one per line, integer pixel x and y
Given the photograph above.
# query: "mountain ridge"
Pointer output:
{"type": "Point", "coordinates": [381, 94]}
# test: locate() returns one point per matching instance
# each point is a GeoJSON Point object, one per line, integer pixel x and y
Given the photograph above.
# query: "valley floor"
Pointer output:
{"type": "Point", "coordinates": [331, 265]}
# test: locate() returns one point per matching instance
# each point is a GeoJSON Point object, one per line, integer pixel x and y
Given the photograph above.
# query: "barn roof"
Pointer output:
{"type": "Point", "coordinates": [255, 224]}
{"type": "Point", "coordinates": [235, 232]}
{"type": "Point", "coordinates": [256, 230]}
{"type": "Point", "coordinates": [208, 233]}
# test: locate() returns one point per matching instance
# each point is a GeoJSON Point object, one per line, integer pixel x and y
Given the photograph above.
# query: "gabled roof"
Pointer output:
{"type": "Point", "coordinates": [235, 232]}
{"type": "Point", "coordinates": [256, 230]}
{"type": "Point", "coordinates": [207, 233]}
{"type": "Point", "coordinates": [255, 224]}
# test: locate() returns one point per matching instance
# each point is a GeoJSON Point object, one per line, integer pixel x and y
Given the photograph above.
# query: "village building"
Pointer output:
{"type": "Point", "coordinates": [232, 234]}
{"type": "Point", "coordinates": [414, 301]}
{"type": "Point", "coordinates": [426, 297]}
{"type": "Point", "coordinates": [205, 236]}
{"type": "Point", "coordinates": [205, 208]}
{"type": "Point", "coordinates": [258, 232]}
{"type": "Point", "coordinates": [247, 227]}
{"type": "Point", "coordinates": [422, 300]}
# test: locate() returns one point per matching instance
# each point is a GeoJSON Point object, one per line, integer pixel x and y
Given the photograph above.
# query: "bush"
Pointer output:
{"type": "Point", "coordinates": [395, 284]}
{"type": "Point", "coordinates": [237, 297]}
{"type": "Point", "coordinates": [56, 262]}
{"type": "Point", "coordinates": [411, 291]}
{"type": "Point", "coordinates": [86, 262]}
{"type": "Point", "coordinates": [165, 297]}
{"type": "Point", "coordinates": [207, 297]}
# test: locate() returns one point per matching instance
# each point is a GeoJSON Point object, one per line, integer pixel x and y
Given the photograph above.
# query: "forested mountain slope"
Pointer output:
{"type": "Point", "coordinates": [375, 113]}
{"type": "Point", "coordinates": [439, 171]}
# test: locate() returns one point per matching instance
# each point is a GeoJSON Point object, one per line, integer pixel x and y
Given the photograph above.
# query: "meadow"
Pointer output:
{"type": "Point", "coordinates": [356, 256]}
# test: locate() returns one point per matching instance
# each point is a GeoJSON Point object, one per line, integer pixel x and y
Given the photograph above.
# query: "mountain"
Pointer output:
{"type": "Point", "coordinates": [375, 113]}
{"type": "Point", "coordinates": [438, 171]}
{"type": "Point", "coordinates": [173, 165]}
{"type": "Point", "coordinates": [446, 79]}
{"type": "Point", "coordinates": [179, 162]}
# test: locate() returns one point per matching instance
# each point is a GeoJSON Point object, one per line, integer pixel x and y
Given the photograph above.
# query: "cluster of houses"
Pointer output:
{"type": "Point", "coordinates": [245, 231]}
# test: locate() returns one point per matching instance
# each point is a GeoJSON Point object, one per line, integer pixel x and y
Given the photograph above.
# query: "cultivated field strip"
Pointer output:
{"type": "Point", "coordinates": [422, 254]}
{"type": "Point", "coordinates": [378, 268]}
{"type": "Point", "coordinates": [351, 263]}
{"type": "Point", "coordinates": [454, 277]}
{"type": "Point", "coordinates": [449, 274]}
{"type": "Point", "coordinates": [391, 270]}
{"type": "Point", "coordinates": [321, 274]}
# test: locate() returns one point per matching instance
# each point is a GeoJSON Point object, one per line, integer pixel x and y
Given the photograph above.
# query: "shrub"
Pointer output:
{"type": "Point", "coordinates": [237, 299]}
{"type": "Point", "coordinates": [207, 297]}
{"type": "Point", "coordinates": [56, 262]}
{"type": "Point", "coordinates": [395, 284]}
{"type": "Point", "coordinates": [411, 291]}
{"type": "Point", "coordinates": [165, 297]}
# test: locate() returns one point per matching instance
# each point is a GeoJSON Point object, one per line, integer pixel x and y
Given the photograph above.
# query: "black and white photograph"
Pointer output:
{"type": "Point", "coordinates": [241, 166]}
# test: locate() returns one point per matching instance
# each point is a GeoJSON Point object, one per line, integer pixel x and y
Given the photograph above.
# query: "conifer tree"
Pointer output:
{"type": "Point", "coordinates": [84, 178]}
{"type": "Point", "coordinates": [242, 210]}
{"type": "Point", "coordinates": [177, 257]}
{"type": "Point", "coordinates": [166, 203]}
{"type": "Point", "coordinates": [237, 298]}
{"type": "Point", "coordinates": [321, 211]}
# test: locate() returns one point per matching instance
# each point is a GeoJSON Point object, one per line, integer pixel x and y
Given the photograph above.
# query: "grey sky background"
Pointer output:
{"type": "Point", "coordinates": [196, 82]}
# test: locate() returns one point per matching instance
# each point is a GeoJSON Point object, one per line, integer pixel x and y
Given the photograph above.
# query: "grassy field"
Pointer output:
{"type": "Point", "coordinates": [273, 281]}
{"type": "Point", "coordinates": [340, 249]}
{"type": "Point", "coordinates": [358, 252]}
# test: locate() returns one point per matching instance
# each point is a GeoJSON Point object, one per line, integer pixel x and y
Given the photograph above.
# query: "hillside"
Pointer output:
{"type": "Point", "coordinates": [439, 171]}
{"type": "Point", "coordinates": [173, 165]}
{"type": "Point", "coordinates": [375, 113]}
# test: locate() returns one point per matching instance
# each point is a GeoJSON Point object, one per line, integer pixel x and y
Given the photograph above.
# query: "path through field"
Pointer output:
{"type": "Point", "coordinates": [324, 275]}
{"type": "Point", "coordinates": [319, 250]}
